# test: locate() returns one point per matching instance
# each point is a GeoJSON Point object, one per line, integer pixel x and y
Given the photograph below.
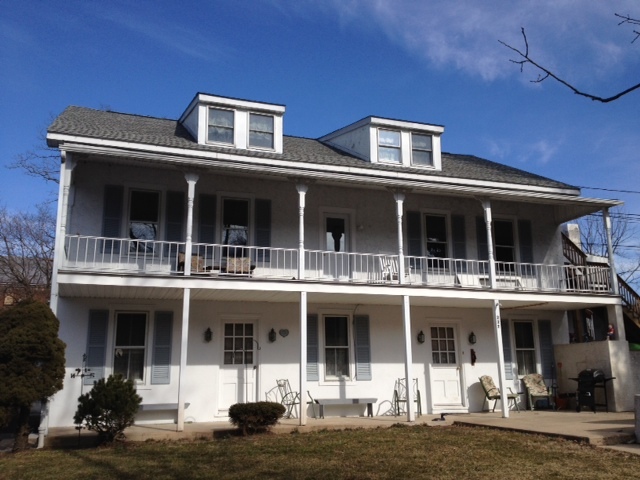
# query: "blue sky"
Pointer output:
{"type": "Point", "coordinates": [332, 63]}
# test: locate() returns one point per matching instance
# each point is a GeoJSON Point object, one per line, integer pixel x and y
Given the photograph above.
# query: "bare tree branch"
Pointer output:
{"type": "Point", "coordinates": [546, 73]}
{"type": "Point", "coordinates": [41, 162]}
{"type": "Point", "coordinates": [631, 21]}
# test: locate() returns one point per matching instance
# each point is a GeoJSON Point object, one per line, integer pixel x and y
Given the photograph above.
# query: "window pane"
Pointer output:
{"type": "Point", "coordinates": [261, 139]}
{"type": "Point", "coordinates": [239, 329]}
{"type": "Point", "coordinates": [421, 142]}
{"type": "Point", "coordinates": [228, 329]}
{"type": "Point", "coordinates": [248, 329]}
{"type": "Point", "coordinates": [228, 358]}
{"type": "Point", "coordinates": [238, 344]}
{"type": "Point", "coordinates": [136, 364]}
{"type": "Point", "coordinates": [388, 138]}
{"type": "Point", "coordinates": [337, 362]}
{"type": "Point", "coordinates": [144, 206]}
{"type": "Point", "coordinates": [434, 332]}
{"type": "Point", "coordinates": [436, 357]}
{"type": "Point", "coordinates": [452, 357]}
{"type": "Point", "coordinates": [248, 358]}
{"type": "Point", "coordinates": [504, 232]}
{"type": "Point", "coordinates": [436, 228]}
{"type": "Point", "coordinates": [221, 118]}
{"type": "Point", "coordinates": [336, 331]}
{"type": "Point", "coordinates": [237, 358]}
{"type": "Point", "coordinates": [130, 330]}
{"type": "Point", "coordinates": [261, 123]}
{"type": "Point", "coordinates": [389, 154]}
{"type": "Point", "coordinates": [523, 332]}
{"type": "Point", "coordinates": [228, 343]}
{"type": "Point", "coordinates": [248, 344]}
{"type": "Point", "coordinates": [422, 158]}
{"type": "Point", "coordinates": [526, 362]}
{"type": "Point", "coordinates": [220, 134]}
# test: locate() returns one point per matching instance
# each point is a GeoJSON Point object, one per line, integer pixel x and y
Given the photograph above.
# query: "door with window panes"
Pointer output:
{"type": "Point", "coordinates": [446, 384]}
{"type": "Point", "coordinates": [239, 364]}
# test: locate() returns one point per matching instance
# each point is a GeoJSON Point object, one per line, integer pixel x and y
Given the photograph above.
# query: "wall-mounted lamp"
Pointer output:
{"type": "Point", "coordinates": [472, 338]}
{"type": "Point", "coordinates": [208, 335]}
{"type": "Point", "coordinates": [421, 337]}
{"type": "Point", "coordinates": [272, 335]}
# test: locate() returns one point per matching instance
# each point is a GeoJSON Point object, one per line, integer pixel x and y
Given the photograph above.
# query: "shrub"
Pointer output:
{"type": "Point", "coordinates": [251, 417]}
{"type": "Point", "coordinates": [108, 408]}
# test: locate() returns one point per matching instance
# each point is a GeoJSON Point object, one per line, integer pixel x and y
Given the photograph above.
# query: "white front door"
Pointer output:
{"type": "Point", "coordinates": [446, 385]}
{"type": "Point", "coordinates": [238, 372]}
{"type": "Point", "coordinates": [336, 241]}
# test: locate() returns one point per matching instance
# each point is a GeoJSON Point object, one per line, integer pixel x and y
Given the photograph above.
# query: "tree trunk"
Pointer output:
{"type": "Point", "coordinates": [22, 429]}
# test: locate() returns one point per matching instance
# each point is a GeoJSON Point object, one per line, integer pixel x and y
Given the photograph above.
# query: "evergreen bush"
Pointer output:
{"type": "Point", "coordinates": [253, 417]}
{"type": "Point", "coordinates": [108, 408]}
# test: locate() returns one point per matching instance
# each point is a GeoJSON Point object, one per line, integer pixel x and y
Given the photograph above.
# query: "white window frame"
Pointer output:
{"type": "Point", "coordinates": [536, 343]}
{"type": "Point", "coordinates": [233, 128]}
{"type": "Point", "coordinates": [413, 149]}
{"type": "Point", "coordinates": [514, 228]}
{"type": "Point", "coordinates": [456, 346]}
{"type": "Point", "coordinates": [332, 380]}
{"type": "Point", "coordinates": [145, 355]}
{"type": "Point", "coordinates": [272, 132]}
{"type": "Point", "coordinates": [220, 214]}
{"type": "Point", "coordinates": [159, 221]}
{"type": "Point", "coordinates": [390, 147]}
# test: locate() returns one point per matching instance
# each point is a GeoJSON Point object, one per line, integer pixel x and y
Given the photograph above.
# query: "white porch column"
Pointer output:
{"type": "Point", "coordinates": [497, 327]}
{"type": "Point", "coordinates": [192, 179]}
{"type": "Point", "coordinates": [184, 340]}
{"type": "Point", "coordinates": [302, 192]}
{"type": "Point", "coordinates": [66, 167]}
{"type": "Point", "coordinates": [606, 218]}
{"type": "Point", "coordinates": [486, 206]}
{"type": "Point", "coordinates": [303, 358]}
{"type": "Point", "coordinates": [408, 357]}
{"type": "Point", "coordinates": [399, 197]}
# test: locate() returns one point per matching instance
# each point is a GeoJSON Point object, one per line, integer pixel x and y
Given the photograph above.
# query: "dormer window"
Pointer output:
{"type": "Point", "coordinates": [421, 150]}
{"type": "Point", "coordinates": [389, 146]}
{"type": "Point", "coordinates": [220, 126]}
{"type": "Point", "coordinates": [260, 131]}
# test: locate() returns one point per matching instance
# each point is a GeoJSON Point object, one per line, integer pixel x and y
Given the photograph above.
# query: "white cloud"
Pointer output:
{"type": "Point", "coordinates": [579, 37]}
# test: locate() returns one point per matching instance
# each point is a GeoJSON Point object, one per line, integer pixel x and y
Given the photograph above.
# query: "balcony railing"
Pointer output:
{"type": "Point", "coordinates": [146, 257]}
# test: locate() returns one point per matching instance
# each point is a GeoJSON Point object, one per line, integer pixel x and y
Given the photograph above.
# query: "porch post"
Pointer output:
{"type": "Point", "coordinates": [606, 218]}
{"type": "Point", "coordinates": [486, 205]}
{"type": "Point", "coordinates": [399, 197]}
{"type": "Point", "coordinates": [191, 178]}
{"type": "Point", "coordinates": [303, 358]}
{"type": "Point", "coordinates": [186, 303]}
{"type": "Point", "coordinates": [497, 327]}
{"type": "Point", "coordinates": [408, 357]}
{"type": "Point", "coordinates": [302, 191]}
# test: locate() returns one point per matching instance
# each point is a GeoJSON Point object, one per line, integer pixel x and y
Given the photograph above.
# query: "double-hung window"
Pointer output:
{"type": "Point", "coordinates": [235, 225]}
{"type": "Point", "coordinates": [144, 215]}
{"type": "Point", "coordinates": [336, 346]}
{"type": "Point", "coordinates": [129, 354]}
{"type": "Point", "coordinates": [260, 131]}
{"type": "Point", "coordinates": [389, 146]}
{"type": "Point", "coordinates": [421, 150]}
{"type": "Point", "coordinates": [220, 126]}
{"type": "Point", "coordinates": [436, 240]}
{"type": "Point", "coordinates": [525, 347]}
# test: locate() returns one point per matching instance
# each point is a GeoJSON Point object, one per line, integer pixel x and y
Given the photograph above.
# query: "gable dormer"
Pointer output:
{"type": "Point", "coordinates": [392, 142]}
{"type": "Point", "coordinates": [234, 123]}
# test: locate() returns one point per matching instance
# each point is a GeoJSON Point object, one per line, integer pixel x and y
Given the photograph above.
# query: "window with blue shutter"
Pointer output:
{"type": "Point", "coordinates": [547, 359]}
{"type": "Point", "coordinates": [96, 345]}
{"type": "Point", "coordinates": [363, 347]}
{"type": "Point", "coordinates": [161, 357]}
{"type": "Point", "coordinates": [112, 217]}
{"type": "Point", "coordinates": [312, 348]}
{"type": "Point", "coordinates": [506, 350]}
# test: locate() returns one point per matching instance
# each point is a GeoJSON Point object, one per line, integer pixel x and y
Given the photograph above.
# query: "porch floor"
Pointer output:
{"type": "Point", "coordinates": [610, 430]}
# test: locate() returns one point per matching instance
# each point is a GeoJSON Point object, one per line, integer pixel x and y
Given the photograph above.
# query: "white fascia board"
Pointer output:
{"type": "Point", "coordinates": [384, 122]}
{"type": "Point", "coordinates": [318, 171]}
{"type": "Point", "coordinates": [244, 104]}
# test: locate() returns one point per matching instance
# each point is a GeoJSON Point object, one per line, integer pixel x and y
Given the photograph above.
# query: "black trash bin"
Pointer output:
{"type": "Point", "coordinates": [588, 380]}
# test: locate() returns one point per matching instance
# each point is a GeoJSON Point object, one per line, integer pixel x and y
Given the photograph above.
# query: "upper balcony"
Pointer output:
{"type": "Point", "coordinates": [89, 254]}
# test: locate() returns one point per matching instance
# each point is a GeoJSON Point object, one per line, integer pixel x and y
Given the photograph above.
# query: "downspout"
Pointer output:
{"type": "Point", "coordinates": [406, 312]}
{"type": "Point", "coordinates": [192, 179]}
{"type": "Point", "coordinates": [497, 321]}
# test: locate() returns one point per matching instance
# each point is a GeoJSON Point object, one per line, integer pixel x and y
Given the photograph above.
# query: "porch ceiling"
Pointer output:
{"type": "Point", "coordinates": [239, 290]}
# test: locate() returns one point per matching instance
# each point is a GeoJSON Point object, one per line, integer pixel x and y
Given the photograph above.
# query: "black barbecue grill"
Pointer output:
{"type": "Point", "coordinates": [588, 380]}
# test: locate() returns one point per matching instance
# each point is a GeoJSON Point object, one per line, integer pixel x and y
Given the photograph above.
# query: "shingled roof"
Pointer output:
{"type": "Point", "coordinates": [106, 125]}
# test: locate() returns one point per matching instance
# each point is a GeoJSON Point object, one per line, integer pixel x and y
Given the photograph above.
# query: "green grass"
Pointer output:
{"type": "Point", "coordinates": [416, 452]}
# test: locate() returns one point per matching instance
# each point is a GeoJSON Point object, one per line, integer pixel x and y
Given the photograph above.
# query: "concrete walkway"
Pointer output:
{"type": "Point", "coordinates": [611, 430]}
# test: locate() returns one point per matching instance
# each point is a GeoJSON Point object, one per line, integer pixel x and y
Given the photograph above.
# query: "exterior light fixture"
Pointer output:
{"type": "Point", "coordinates": [272, 335]}
{"type": "Point", "coordinates": [421, 337]}
{"type": "Point", "coordinates": [472, 338]}
{"type": "Point", "coordinates": [208, 335]}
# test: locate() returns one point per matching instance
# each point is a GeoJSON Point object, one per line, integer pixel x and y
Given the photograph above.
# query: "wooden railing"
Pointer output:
{"type": "Point", "coordinates": [630, 299]}
{"type": "Point", "coordinates": [572, 252]}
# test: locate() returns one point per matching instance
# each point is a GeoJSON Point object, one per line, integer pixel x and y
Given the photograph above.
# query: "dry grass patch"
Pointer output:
{"type": "Point", "coordinates": [417, 451]}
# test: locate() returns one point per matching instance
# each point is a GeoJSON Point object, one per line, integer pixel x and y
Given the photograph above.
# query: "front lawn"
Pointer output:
{"type": "Point", "coordinates": [400, 451]}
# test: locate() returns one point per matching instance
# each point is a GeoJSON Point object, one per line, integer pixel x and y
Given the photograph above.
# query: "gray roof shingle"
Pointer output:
{"type": "Point", "coordinates": [99, 124]}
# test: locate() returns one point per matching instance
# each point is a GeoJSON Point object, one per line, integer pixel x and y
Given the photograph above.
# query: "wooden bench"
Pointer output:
{"type": "Point", "coordinates": [150, 407]}
{"type": "Point", "coordinates": [321, 402]}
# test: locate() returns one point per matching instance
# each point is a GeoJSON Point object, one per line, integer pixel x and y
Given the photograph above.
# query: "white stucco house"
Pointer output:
{"type": "Point", "coordinates": [209, 256]}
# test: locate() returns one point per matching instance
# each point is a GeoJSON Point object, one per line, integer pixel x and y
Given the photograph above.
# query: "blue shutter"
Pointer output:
{"type": "Point", "coordinates": [207, 218]}
{"type": "Point", "coordinates": [96, 345]}
{"type": "Point", "coordinates": [547, 358]}
{"type": "Point", "coordinates": [263, 228]}
{"type": "Point", "coordinates": [414, 234]}
{"type": "Point", "coordinates": [363, 347]}
{"type": "Point", "coordinates": [481, 239]}
{"type": "Point", "coordinates": [112, 217]}
{"type": "Point", "coordinates": [506, 349]}
{"type": "Point", "coordinates": [312, 348]}
{"type": "Point", "coordinates": [525, 240]}
{"type": "Point", "coordinates": [174, 221]}
{"type": "Point", "coordinates": [161, 358]}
